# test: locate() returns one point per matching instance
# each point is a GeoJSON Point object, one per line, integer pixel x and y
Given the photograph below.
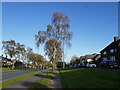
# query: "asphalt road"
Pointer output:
{"type": "Point", "coordinates": [7, 75]}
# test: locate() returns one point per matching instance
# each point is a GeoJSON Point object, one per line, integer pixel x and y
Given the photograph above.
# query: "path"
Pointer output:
{"type": "Point", "coordinates": [56, 81]}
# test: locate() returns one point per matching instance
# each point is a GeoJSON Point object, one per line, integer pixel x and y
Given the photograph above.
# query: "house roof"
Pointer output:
{"type": "Point", "coordinates": [97, 56]}
{"type": "Point", "coordinates": [114, 44]}
{"type": "Point", "coordinates": [82, 57]}
{"type": "Point", "coordinates": [90, 56]}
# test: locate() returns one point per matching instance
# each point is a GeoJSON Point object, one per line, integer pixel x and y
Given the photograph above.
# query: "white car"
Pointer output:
{"type": "Point", "coordinates": [91, 65]}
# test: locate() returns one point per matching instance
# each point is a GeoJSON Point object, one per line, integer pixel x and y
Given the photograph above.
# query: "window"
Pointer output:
{"type": "Point", "coordinates": [115, 50]}
{"type": "Point", "coordinates": [104, 52]}
{"type": "Point", "coordinates": [112, 50]}
{"type": "Point", "coordinates": [104, 58]}
{"type": "Point", "coordinates": [112, 58]}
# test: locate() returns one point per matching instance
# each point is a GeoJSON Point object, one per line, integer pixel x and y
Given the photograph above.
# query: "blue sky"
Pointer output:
{"type": "Point", "coordinates": [94, 24]}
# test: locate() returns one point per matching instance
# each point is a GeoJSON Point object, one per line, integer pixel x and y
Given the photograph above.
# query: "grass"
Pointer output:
{"type": "Point", "coordinates": [9, 69]}
{"type": "Point", "coordinates": [6, 69]}
{"type": "Point", "coordinates": [89, 78]}
{"type": "Point", "coordinates": [12, 81]}
{"type": "Point", "coordinates": [0, 69]}
{"type": "Point", "coordinates": [0, 85]}
{"type": "Point", "coordinates": [44, 82]}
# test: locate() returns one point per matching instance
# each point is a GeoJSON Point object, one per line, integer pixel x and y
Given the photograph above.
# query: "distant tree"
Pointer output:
{"type": "Point", "coordinates": [77, 61]}
{"type": "Point", "coordinates": [29, 52]}
{"type": "Point", "coordinates": [67, 64]}
{"type": "Point", "coordinates": [20, 51]}
{"type": "Point", "coordinates": [58, 31]}
{"type": "Point", "coordinates": [35, 59]}
{"type": "Point", "coordinates": [14, 50]}
{"type": "Point", "coordinates": [60, 64]}
{"type": "Point", "coordinates": [39, 60]}
{"type": "Point", "coordinates": [18, 64]}
{"type": "Point", "coordinates": [31, 57]}
{"type": "Point", "coordinates": [46, 63]}
{"type": "Point", "coordinates": [74, 60]}
{"type": "Point", "coordinates": [9, 48]}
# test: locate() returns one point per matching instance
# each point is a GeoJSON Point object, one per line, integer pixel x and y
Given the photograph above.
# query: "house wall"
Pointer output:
{"type": "Point", "coordinates": [118, 55]}
{"type": "Point", "coordinates": [89, 60]}
{"type": "Point", "coordinates": [109, 54]}
{"type": "Point", "coordinates": [82, 60]}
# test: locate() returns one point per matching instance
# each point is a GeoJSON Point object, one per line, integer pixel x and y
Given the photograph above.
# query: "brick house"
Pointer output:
{"type": "Point", "coordinates": [112, 51]}
{"type": "Point", "coordinates": [97, 59]}
{"type": "Point", "coordinates": [90, 58]}
{"type": "Point", "coordinates": [5, 62]}
{"type": "Point", "coordinates": [82, 59]}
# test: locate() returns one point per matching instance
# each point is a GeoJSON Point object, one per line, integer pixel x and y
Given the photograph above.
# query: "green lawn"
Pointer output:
{"type": "Point", "coordinates": [89, 78]}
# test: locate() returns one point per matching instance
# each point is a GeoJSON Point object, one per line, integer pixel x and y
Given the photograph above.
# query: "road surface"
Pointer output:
{"type": "Point", "coordinates": [7, 75]}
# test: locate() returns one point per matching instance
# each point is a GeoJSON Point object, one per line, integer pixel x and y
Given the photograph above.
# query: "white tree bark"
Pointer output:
{"type": "Point", "coordinates": [54, 53]}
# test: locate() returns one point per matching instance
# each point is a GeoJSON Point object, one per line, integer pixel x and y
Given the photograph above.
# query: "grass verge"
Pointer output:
{"type": "Point", "coordinates": [4, 69]}
{"type": "Point", "coordinates": [9, 69]}
{"type": "Point", "coordinates": [44, 82]}
{"type": "Point", "coordinates": [12, 81]}
{"type": "Point", "coordinates": [89, 78]}
{"type": "Point", "coordinates": [0, 85]}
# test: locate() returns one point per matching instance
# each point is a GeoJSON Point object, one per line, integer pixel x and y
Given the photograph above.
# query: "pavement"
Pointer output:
{"type": "Point", "coordinates": [56, 81]}
{"type": "Point", "coordinates": [7, 75]}
{"type": "Point", "coordinates": [29, 82]}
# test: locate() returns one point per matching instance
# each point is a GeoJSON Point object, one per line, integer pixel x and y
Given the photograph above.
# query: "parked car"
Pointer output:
{"type": "Point", "coordinates": [91, 65]}
{"type": "Point", "coordinates": [81, 65]}
{"type": "Point", "coordinates": [72, 66]}
{"type": "Point", "coordinates": [85, 64]}
{"type": "Point", "coordinates": [68, 66]}
{"type": "Point", "coordinates": [109, 64]}
{"type": "Point", "coordinates": [76, 65]}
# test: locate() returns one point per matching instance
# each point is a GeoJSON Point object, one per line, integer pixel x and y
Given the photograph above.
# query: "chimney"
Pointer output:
{"type": "Point", "coordinates": [115, 38]}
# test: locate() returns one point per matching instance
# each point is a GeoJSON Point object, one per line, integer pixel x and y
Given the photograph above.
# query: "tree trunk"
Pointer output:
{"type": "Point", "coordinates": [13, 66]}
{"type": "Point", "coordinates": [54, 53]}
{"type": "Point", "coordinates": [53, 67]}
{"type": "Point", "coordinates": [63, 57]}
{"type": "Point", "coordinates": [63, 65]}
